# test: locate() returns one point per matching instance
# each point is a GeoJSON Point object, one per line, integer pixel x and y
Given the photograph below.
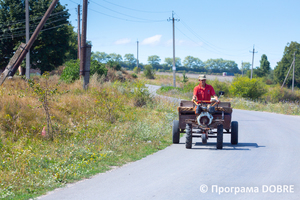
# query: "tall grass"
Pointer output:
{"type": "Point", "coordinates": [93, 131]}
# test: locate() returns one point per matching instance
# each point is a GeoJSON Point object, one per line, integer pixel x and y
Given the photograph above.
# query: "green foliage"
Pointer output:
{"type": "Point", "coordinates": [113, 65]}
{"type": "Point", "coordinates": [184, 78]}
{"type": "Point", "coordinates": [71, 71]}
{"type": "Point", "coordinates": [220, 86]}
{"type": "Point", "coordinates": [154, 60]}
{"type": "Point", "coordinates": [134, 75]}
{"type": "Point", "coordinates": [149, 72]}
{"type": "Point", "coordinates": [141, 94]}
{"type": "Point", "coordinates": [169, 62]}
{"type": "Point", "coordinates": [72, 67]}
{"type": "Point", "coordinates": [247, 88]}
{"type": "Point", "coordinates": [284, 64]}
{"type": "Point", "coordinates": [277, 94]}
{"type": "Point", "coordinates": [137, 70]}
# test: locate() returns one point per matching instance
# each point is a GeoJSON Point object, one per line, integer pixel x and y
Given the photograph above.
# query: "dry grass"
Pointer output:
{"type": "Point", "coordinates": [93, 130]}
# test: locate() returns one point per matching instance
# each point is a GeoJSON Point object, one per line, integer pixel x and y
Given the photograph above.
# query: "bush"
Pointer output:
{"type": "Point", "coordinates": [72, 68]}
{"type": "Point", "coordinates": [134, 75]}
{"type": "Point", "coordinates": [246, 88]}
{"type": "Point", "coordinates": [137, 70]}
{"type": "Point", "coordinates": [220, 86]}
{"type": "Point", "coordinates": [149, 72]}
{"type": "Point", "coordinates": [71, 71]}
{"type": "Point", "coordinates": [277, 94]}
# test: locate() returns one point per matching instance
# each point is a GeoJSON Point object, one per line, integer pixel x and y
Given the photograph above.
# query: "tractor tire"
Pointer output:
{"type": "Point", "coordinates": [220, 136]}
{"type": "Point", "coordinates": [175, 131]}
{"type": "Point", "coordinates": [204, 138]}
{"type": "Point", "coordinates": [188, 139]}
{"type": "Point", "coordinates": [234, 132]}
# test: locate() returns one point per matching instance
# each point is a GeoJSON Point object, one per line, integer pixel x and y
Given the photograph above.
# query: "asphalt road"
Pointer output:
{"type": "Point", "coordinates": [264, 165]}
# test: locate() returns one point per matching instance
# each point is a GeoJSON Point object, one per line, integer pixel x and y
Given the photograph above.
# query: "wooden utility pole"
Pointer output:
{"type": "Point", "coordinates": [78, 32]}
{"type": "Point", "coordinates": [27, 39]}
{"type": "Point", "coordinates": [83, 42]}
{"type": "Point", "coordinates": [252, 60]}
{"type": "Point", "coordinates": [293, 64]}
{"type": "Point", "coordinates": [294, 71]}
{"type": "Point", "coordinates": [12, 69]}
{"type": "Point", "coordinates": [174, 67]}
{"type": "Point", "coordinates": [137, 55]}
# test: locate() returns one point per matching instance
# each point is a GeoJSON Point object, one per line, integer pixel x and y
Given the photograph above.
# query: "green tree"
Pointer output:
{"type": "Point", "coordinates": [115, 57]}
{"type": "Point", "coordinates": [101, 57]}
{"type": "Point", "coordinates": [265, 65]}
{"type": "Point", "coordinates": [245, 67]}
{"type": "Point", "coordinates": [53, 44]}
{"type": "Point", "coordinates": [192, 62]}
{"type": "Point", "coordinates": [154, 60]}
{"type": "Point", "coordinates": [149, 72]}
{"type": "Point", "coordinates": [169, 62]}
{"type": "Point", "coordinates": [130, 60]}
{"type": "Point", "coordinates": [284, 64]}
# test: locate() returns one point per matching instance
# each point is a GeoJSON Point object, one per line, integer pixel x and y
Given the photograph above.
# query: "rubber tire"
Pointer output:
{"type": "Point", "coordinates": [188, 139]}
{"type": "Point", "coordinates": [220, 136]}
{"type": "Point", "coordinates": [234, 132]}
{"type": "Point", "coordinates": [204, 138]}
{"type": "Point", "coordinates": [175, 131]}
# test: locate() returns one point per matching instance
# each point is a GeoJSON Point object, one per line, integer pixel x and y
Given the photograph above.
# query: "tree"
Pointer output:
{"type": "Point", "coordinates": [169, 62]}
{"type": "Point", "coordinates": [284, 64]}
{"type": "Point", "coordinates": [52, 45]}
{"type": "Point", "coordinates": [265, 65]}
{"type": "Point", "coordinates": [219, 65]}
{"type": "Point", "coordinates": [192, 62]}
{"type": "Point", "coordinates": [101, 57]}
{"type": "Point", "coordinates": [115, 57]}
{"type": "Point", "coordinates": [245, 67]}
{"type": "Point", "coordinates": [130, 60]}
{"type": "Point", "coordinates": [154, 60]}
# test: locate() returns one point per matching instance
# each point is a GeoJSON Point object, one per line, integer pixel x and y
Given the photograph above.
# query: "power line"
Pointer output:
{"type": "Point", "coordinates": [125, 19]}
{"type": "Point", "coordinates": [122, 13]}
{"type": "Point", "coordinates": [136, 9]}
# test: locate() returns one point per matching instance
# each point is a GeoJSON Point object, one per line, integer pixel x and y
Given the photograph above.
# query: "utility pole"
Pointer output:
{"type": "Point", "coordinates": [293, 64]}
{"type": "Point", "coordinates": [242, 68]}
{"type": "Point", "coordinates": [78, 31]}
{"type": "Point", "coordinates": [252, 60]}
{"type": "Point", "coordinates": [294, 61]}
{"type": "Point", "coordinates": [12, 70]}
{"type": "Point", "coordinates": [27, 39]}
{"type": "Point", "coordinates": [174, 67]}
{"type": "Point", "coordinates": [83, 41]}
{"type": "Point", "coordinates": [137, 55]}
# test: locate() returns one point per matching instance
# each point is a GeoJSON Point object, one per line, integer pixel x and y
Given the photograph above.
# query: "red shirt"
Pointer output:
{"type": "Point", "coordinates": [204, 93]}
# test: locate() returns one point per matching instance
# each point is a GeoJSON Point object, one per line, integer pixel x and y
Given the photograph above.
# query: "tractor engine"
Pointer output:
{"type": "Point", "coordinates": [205, 117]}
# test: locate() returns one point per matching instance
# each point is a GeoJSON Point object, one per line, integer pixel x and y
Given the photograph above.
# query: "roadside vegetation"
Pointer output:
{"type": "Point", "coordinates": [110, 124]}
{"type": "Point", "coordinates": [242, 92]}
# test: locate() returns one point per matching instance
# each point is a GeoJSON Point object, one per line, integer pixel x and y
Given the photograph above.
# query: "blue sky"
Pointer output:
{"type": "Point", "coordinates": [207, 29]}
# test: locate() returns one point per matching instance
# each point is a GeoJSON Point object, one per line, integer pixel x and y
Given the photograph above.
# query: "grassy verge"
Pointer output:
{"type": "Point", "coordinates": [92, 131]}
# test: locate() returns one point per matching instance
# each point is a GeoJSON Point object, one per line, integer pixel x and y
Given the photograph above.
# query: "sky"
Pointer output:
{"type": "Point", "coordinates": [205, 29]}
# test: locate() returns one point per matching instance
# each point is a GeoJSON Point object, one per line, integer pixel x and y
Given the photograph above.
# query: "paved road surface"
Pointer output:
{"type": "Point", "coordinates": [266, 158]}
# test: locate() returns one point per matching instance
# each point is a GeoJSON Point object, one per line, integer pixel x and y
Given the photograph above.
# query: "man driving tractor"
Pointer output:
{"type": "Point", "coordinates": [204, 91]}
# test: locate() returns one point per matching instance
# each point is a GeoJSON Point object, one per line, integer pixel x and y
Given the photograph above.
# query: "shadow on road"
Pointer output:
{"type": "Point", "coordinates": [226, 146]}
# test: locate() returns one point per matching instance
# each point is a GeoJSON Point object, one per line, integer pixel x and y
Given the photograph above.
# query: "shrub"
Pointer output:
{"type": "Point", "coordinates": [134, 75]}
{"type": "Point", "coordinates": [137, 70]}
{"type": "Point", "coordinates": [220, 86]}
{"type": "Point", "coordinates": [246, 88]}
{"type": "Point", "coordinates": [149, 72]}
{"type": "Point", "coordinates": [277, 94]}
{"type": "Point", "coordinates": [72, 68]}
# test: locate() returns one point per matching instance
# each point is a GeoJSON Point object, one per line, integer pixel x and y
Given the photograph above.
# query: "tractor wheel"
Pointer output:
{"type": "Point", "coordinates": [175, 130]}
{"type": "Point", "coordinates": [220, 136]}
{"type": "Point", "coordinates": [204, 138]}
{"type": "Point", "coordinates": [188, 139]}
{"type": "Point", "coordinates": [234, 132]}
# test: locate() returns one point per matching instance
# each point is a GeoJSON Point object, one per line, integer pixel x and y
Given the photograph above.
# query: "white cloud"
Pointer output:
{"type": "Point", "coordinates": [122, 41]}
{"type": "Point", "coordinates": [154, 40]}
